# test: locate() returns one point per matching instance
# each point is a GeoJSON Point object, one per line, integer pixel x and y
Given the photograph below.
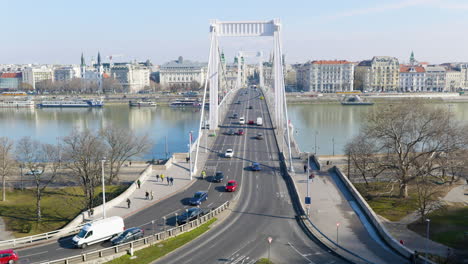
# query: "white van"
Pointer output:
{"type": "Point", "coordinates": [98, 231]}
{"type": "Point", "coordinates": [242, 121]}
{"type": "Point", "coordinates": [259, 121]}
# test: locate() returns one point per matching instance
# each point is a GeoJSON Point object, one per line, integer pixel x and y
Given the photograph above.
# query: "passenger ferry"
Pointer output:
{"type": "Point", "coordinates": [17, 104]}
{"type": "Point", "coordinates": [186, 103]}
{"type": "Point", "coordinates": [142, 104]}
{"type": "Point", "coordinates": [76, 103]}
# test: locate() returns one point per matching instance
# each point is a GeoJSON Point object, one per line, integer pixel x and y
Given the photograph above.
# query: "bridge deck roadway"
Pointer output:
{"type": "Point", "coordinates": [263, 205]}
{"type": "Point", "coordinates": [331, 203]}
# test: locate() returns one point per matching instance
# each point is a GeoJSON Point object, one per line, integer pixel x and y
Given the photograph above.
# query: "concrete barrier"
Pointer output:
{"type": "Point", "coordinates": [372, 216]}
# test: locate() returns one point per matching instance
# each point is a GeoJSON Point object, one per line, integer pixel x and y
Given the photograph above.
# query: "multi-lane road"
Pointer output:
{"type": "Point", "coordinates": [262, 204]}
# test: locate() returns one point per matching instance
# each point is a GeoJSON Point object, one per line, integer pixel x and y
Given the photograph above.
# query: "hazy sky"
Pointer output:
{"type": "Point", "coordinates": [57, 31]}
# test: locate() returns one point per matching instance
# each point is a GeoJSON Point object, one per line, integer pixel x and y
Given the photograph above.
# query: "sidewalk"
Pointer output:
{"type": "Point", "coordinates": [334, 214]}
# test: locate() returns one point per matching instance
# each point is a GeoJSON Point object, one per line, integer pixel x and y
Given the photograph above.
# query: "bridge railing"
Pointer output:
{"type": "Point", "coordinates": [110, 253]}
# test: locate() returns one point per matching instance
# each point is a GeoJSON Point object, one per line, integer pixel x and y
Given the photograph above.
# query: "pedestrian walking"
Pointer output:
{"type": "Point", "coordinates": [128, 203]}
{"type": "Point", "coordinates": [172, 181]}
{"type": "Point", "coordinates": [147, 195]}
{"type": "Point", "coordinates": [203, 173]}
{"type": "Point", "coordinates": [139, 183]}
{"type": "Point", "coordinates": [152, 195]}
{"type": "Point", "coordinates": [187, 159]}
{"type": "Point", "coordinates": [130, 163]}
{"type": "Point", "coordinates": [168, 180]}
{"type": "Point", "coordinates": [157, 177]}
{"type": "Point", "coordinates": [305, 168]}
{"type": "Point", "coordinates": [162, 178]}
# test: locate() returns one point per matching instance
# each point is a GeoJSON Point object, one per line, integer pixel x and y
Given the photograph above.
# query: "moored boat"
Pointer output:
{"type": "Point", "coordinates": [74, 103]}
{"type": "Point", "coordinates": [142, 104]}
{"type": "Point", "coordinates": [17, 104]}
{"type": "Point", "coordinates": [186, 103]}
{"type": "Point", "coordinates": [355, 100]}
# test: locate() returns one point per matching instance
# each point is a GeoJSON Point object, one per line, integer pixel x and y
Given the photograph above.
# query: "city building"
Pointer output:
{"type": "Point", "coordinates": [133, 77]}
{"type": "Point", "coordinates": [67, 73]}
{"type": "Point", "coordinates": [11, 80]}
{"type": "Point", "coordinates": [453, 79]}
{"type": "Point", "coordinates": [412, 78]}
{"type": "Point", "coordinates": [379, 74]}
{"type": "Point", "coordinates": [182, 73]}
{"type": "Point", "coordinates": [435, 78]}
{"type": "Point", "coordinates": [34, 74]}
{"type": "Point", "coordinates": [326, 76]}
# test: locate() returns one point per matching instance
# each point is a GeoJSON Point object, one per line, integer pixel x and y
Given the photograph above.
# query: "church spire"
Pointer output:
{"type": "Point", "coordinates": [98, 58]}
{"type": "Point", "coordinates": [412, 60]}
{"type": "Point", "coordinates": [82, 60]}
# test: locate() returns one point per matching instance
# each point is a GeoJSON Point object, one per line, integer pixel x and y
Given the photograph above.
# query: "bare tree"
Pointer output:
{"type": "Point", "coordinates": [427, 197]}
{"type": "Point", "coordinates": [362, 153]}
{"type": "Point", "coordinates": [6, 162]}
{"type": "Point", "coordinates": [412, 134]}
{"type": "Point", "coordinates": [122, 144]}
{"type": "Point", "coordinates": [83, 152]}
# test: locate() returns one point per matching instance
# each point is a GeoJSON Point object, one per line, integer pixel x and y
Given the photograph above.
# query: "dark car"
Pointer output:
{"type": "Point", "coordinates": [189, 215]}
{"type": "Point", "coordinates": [128, 235]}
{"type": "Point", "coordinates": [255, 166]}
{"type": "Point", "coordinates": [250, 107]}
{"type": "Point", "coordinates": [235, 116]}
{"type": "Point", "coordinates": [198, 198]}
{"type": "Point", "coordinates": [259, 136]}
{"type": "Point", "coordinates": [238, 102]}
{"type": "Point", "coordinates": [219, 177]}
{"type": "Point", "coordinates": [8, 256]}
{"type": "Point", "coordinates": [240, 132]}
{"type": "Point", "coordinates": [231, 132]}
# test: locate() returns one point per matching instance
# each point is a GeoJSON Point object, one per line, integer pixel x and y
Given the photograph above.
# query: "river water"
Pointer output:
{"type": "Point", "coordinates": [325, 127]}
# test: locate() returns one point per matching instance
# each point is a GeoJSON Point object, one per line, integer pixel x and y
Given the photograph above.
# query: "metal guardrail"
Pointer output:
{"type": "Point", "coordinates": [119, 250]}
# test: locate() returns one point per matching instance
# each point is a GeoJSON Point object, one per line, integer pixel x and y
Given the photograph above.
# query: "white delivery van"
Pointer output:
{"type": "Point", "coordinates": [242, 121]}
{"type": "Point", "coordinates": [259, 121]}
{"type": "Point", "coordinates": [98, 231]}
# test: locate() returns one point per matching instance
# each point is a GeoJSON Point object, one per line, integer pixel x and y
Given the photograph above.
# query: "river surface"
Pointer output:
{"type": "Point", "coordinates": [324, 127]}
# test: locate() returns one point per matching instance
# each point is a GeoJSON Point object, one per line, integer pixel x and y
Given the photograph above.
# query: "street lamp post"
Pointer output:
{"type": "Point", "coordinates": [164, 226]}
{"type": "Point", "coordinates": [103, 190]}
{"type": "Point", "coordinates": [307, 180]}
{"type": "Point", "coordinates": [428, 221]}
{"type": "Point", "coordinates": [21, 176]}
{"type": "Point", "coordinates": [333, 145]}
{"type": "Point", "coordinates": [176, 222]}
{"type": "Point", "coordinates": [315, 140]}
{"type": "Point", "coordinates": [337, 227]}
{"type": "Point", "coordinates": [190, 154]}
{"type": "Point", "coordinates": [152, 223]}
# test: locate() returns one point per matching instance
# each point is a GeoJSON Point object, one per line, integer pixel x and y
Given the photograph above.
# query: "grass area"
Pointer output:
{"type": "Point", "coordinates": [449, 226]}
{"type": "Point", "coordinates": [264, 261]}
{"type": "Point", "coordinates": [150, 254]}
{"type": "Point", "coordinates": [386, 203]}
{"type": "Point", "coordinates": [58, 207]}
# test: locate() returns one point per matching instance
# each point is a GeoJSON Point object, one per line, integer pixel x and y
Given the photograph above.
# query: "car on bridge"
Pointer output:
{"type": "Point", "coordinates": [242, 121]}
{"type": "Point", "coordinates": [251, 122]}
{"type": "Point", "coordinates": [128, 235]}
{"type": "Point", "coordinates": [219, 176]}
{"type": "Point", "coordinates": [255, 166]}
{"type": "Point", "coordinates": [8, 256]}
{"type": "Point", "coordinates": [189, 215]}
{"type": "Point", "coordinates": [234, 116]}
{"type": "Point", "coordinates": [231, 186]}
{"type": "Point", "coordinates": [259, 136]}
{"type": "Point", "coordinates": [229, 153]}
{"type": "Point", "coordinates": [230, 132]}
{"type": "Point", "coordinates": [198, 198]}
{"type": "Point", "coordinates": [240, 132]}
{"type": "Point", "coordinates": [250, 107]}
{"type": "Point", "coordinates": [238, 102]}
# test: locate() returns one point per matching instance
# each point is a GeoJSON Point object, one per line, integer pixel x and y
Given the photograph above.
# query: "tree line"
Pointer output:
{"type": "Point", "coordinates": [81, 153]}
{"type": "Point", "coordinates": [412, 143]}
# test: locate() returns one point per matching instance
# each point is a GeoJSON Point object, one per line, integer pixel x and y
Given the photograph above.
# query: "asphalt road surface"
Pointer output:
{"type": "Point", "coordinates": [263, 204]}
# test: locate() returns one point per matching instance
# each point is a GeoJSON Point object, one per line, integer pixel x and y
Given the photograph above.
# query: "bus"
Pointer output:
{"type": "Point", "coordinates": [14, 93]}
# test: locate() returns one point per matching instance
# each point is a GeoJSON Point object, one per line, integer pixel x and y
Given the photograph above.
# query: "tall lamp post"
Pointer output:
{"type": "Point", "coordinates": [190, 154]}
{"type": "Point", "coordinates": [337, 227]}
{"type": "Point", "coordinates": [103, 189]}
{"type": "Point", "coordinates": [428, 221]}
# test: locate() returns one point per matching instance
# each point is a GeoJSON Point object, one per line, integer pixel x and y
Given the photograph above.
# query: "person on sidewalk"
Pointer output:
{"type": "Point", "coordinates": [305, 168]}
{"type": "Point", "coordinates": [157, 177]}
{"type": "Point", "coordinates": [139, 183]}
{"type": "Point", "coordinates": [162, 178]}
{"type": "Point", "coordinates": [130, 163]}
{"type": "Point", "coordinates": [172, 181]}
{"type": "Point", "coordinates": [128, 203]}
{"type": "Point", "coordinates": [147, 195]}
{"type": "Point", "coordinates": [152, 195]}
{"type": "Point", "coordinates": [203, 173]}
{"type": "Point", "coordinates": [168, 180]}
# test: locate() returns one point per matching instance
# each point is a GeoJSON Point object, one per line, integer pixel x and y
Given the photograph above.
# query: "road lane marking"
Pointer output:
{"type": "Point", "coordinates": [302, 255]}
{"type": "Point", "coordinates": [25, 256]}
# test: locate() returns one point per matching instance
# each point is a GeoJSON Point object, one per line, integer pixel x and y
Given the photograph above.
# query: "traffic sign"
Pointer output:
{"type": "Point", "coordinates": [307, 200]}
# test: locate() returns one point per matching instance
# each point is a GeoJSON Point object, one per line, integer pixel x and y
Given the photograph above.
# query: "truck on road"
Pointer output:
{"type": "Point", "coordinates": [98, 231]}
{"type": "Point", "coordinates": [259, 121]}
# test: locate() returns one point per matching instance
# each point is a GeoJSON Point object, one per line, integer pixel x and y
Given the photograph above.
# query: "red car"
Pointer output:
{"type": "Point", "coordinates": [251, 122]}
{"type": "Point", "coordinates": [240, 132]}
{"type": "Point", "coordinates": [9, 256]}
{"type": "Point", "coordinates": [231, 186]}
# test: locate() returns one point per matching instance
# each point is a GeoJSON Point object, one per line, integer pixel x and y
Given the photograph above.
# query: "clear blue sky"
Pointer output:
{"type": "Point", "coordinates": [57, 31]}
